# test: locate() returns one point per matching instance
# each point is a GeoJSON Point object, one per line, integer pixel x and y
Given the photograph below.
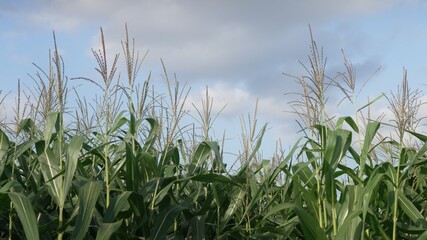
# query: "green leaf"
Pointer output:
{"type": "Point", "coordinates": [348, 222]}
{"type": "Point", "coordinates": [337, 144]}
{"type": "Point", "coordinates": [118, 122]}
{"type": "Point", "coordinates": [164, 190]}
{"type": "Point", "coordinates": [378, 227]}
{"type": "Point", "coordinates": [73, 151]}
{"type": "Point", "coordinates": [420, 136]}
{"type": "Point", "coordinates": [26, 214]}
{"type": "Point", "coordinates": [107, 229]}
{"type": "Point", "coordinates": [278, 208]}
{"type": "Point", "coordinates": [172, 157]}
{"type": "Point", "coordinates": [164, 221]}
{"type": "Point", "coordinates": [410, 210]}
{"type": "Point", "coordinates": [132, 120]}
{"type": "Point", "coordinates": [423, 236]}
{"type": "Point", "coordinates": [258, 142]}
{"type": "Point", "coordinates": [351, 222]}
{"type": "Point", "coordinates": [302, 170]}
{"type": "Point", "coordinates": [283, 164]}
{"type": "Point", "coordinates": [27, 125]}
{"type": "Point", "coordinates": [369, 190]}
{"type": "Point", "coordinates": [132, 174]}
{"type": "Point", "coordinates": [51, 124]}
{"type": "Point", "coordinates": [198, 228]}
{"type": "Point", "coordinates": [236, 202]}
{"type": "Point", "coordinates": [309, 224]}
{"type": "Point", "coordinates": [218, 163]}
{"type": "Point", "coordinates": [371, 130]}
{"type": "Point", "coordinates": [418, 157]}
{"type": "Point", "coordinates": [49, 164]}
{"type": "Point", "coordinates": [4, 146]}
{"type": "Point", "coordinates": [25, 146]}
{"type": "Point", "coordinates": [117, 204]}
{"type": "Point", "coordinates": [88, 196]}
{"type": "Point", "coordinates": [370, 102]}
{"type": "Point", "coordinates": [351, 173]}
{"type": "Point", "coordinates": [349, 121]}
{"type": "Point", "coordinates": [212, 177]}
{"type": "Point", "coordinates": [155, 126]}
{"type": "Point", "coordinates": [202, 153]}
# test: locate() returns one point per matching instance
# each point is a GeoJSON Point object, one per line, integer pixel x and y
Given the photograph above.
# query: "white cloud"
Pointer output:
{"type": "Point", "coordinates": [238, 48]}
{"type": "Point", "coordinates": [210, 41]}
{"type": "Point", "coordinates": [235, 100]}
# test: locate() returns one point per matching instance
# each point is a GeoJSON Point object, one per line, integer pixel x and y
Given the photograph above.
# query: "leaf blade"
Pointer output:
{"type": "Point", "coordinates": [26, 214]}
{"type": "Point", "coordinates": [88, 195]}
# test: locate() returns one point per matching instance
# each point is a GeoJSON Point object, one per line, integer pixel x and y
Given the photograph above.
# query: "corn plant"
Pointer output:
{"type": "Point", "coordinates": [127, 165]}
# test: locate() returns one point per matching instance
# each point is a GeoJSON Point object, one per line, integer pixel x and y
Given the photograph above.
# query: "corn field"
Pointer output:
{"type": "Point", "coordinates": [124, 166]}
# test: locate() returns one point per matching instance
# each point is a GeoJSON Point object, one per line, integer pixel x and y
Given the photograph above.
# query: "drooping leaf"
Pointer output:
{"type": "Point", "coordinates": [349, 121]}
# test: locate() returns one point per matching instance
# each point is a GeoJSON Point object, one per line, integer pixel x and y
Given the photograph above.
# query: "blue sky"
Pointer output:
{"type": "Point", "coordinates": [238, 48]}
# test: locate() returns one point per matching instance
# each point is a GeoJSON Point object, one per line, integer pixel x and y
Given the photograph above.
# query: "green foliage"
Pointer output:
{"type": "Point", "coordinates": [135, 175]}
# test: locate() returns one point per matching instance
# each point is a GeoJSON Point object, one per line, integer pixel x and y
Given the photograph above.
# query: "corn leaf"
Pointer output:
{"type": "Point", "coordinates": [410, 210]}
{"type": "Point", "coordinates": [88, 196]}
{"type": "Point", "coordinates": [49, 164]}
{"type": "Point", "coordinates": [107, 229]}
{"type": "Point", "coordinates": [4, 146]}
{"type": "Point", "coordinates": [51, 124]}
{"type": "Point", "coordinates": [202, 153]}
{"type": "Point", "coordinates": [309, 224]}
{"type": "Point", "coordinates": [371, 130]}
{"type": "Point", "coordinates": [26, 214]}
{"type": "Point", "coordinates": [73, 151]}
{"type": "Point", "coordinates": [198, 228]}
{"type": "Point", "coordinates": [117, 204]}
{"type": "Point", "coordinates": [349, 121]}
{"type": "Point", "coordinates": [164, 222]}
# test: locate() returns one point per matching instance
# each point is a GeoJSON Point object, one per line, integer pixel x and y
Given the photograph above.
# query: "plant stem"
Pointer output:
{"type": "Point", "coordinates": [396, 193]}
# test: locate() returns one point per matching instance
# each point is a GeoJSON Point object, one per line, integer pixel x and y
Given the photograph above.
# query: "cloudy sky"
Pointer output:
{"type": "Point", "coordinates": [240, 49]}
